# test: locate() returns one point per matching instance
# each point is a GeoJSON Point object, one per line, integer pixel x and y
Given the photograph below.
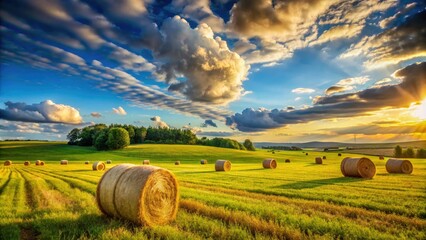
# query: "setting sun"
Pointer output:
{"type": "Point", "coordinates": [420, 110]}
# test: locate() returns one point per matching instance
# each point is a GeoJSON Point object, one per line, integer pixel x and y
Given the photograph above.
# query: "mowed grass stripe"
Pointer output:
{"type": "Point", "coordinates": [84, 186]}
{"type": "Point", "coordinates": [302, 205]}
{"type": "Point", "coordinates": [306, 221]}
{"type": "Point", "coordinates": [91, 179]}
{"type": "Point", "coordinates": [6, 177]}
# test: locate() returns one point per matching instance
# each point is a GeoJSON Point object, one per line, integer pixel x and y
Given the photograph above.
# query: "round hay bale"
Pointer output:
{"type": "Point", "coordinates": [145, 195]}
{"type": "Point", "coordinates": [306, 154]}
{"type": "Point", "coordinates": [399, 166]}
{"type": "Point", "coordinates": [318, 160]}
{"type": "Point", "coordinates": [42, 163]}
{"type": "Point", "coordinates": [86, 162]}
{"type": "Point", "coordinates": [177, 163]}
{"type": "Point", "coordinates": [358, 167]}
{"type": "Point", "coordinates": [8, 163]}
{"type": "Point", "coordinates": [38, 162]}
{"type": "Point", "coordinates": [287, 160]}
{"type": "Point", "coordinates": [203, 161]}
{"type": "Point", "coordinates": [98, 166]}
{"type": "Point", "coordinates": [108, 161]}
{"type": "Point", "coordinates": [222, 165]}
{"type": "Point", "coordinates": [324, 157]}
{"type": "Point", "coordinates": [339, 154]}
{"type": "Point", "coordinates": [27, 163]}
{"type": "Point", "coordinates": [146, 162]}
{"type": "Point", "coordinates": [269, 163]}
{"type": "Point", "coordinates": [64, 162]}
{"type": "Point", "coordinates": [381, 157]}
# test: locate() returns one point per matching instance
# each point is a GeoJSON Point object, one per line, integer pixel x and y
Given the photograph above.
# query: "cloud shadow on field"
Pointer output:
{"type": "Point", "coordinates": [318, 183]}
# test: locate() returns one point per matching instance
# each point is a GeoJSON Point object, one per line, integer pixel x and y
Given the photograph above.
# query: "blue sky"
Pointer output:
{"type": "Point", "coordinates": [292, 71]}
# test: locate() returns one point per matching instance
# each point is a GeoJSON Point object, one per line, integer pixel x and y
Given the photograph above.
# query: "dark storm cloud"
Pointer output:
{"type": "Point", "coordinates": [209, 123]}
{"type": "Point", "coordinates": [411, 89]}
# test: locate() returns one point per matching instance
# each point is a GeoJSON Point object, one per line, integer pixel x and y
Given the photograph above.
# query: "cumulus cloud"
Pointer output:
{"type": "Point", "coordinates": [119, 111]}
{"type": "Point", "coordinates": [394, 45]}
{"type": "Point", "coordinates": [279, 19]}
{"type": "Point", "coordinates": [384, 23]}
{"type": "Point", "coordinates": [338, 32]}
{"type": "Point", "coordinates": [412, 88]}
{"type": "Point", "coordinates": [96, 114]}
{"type": "Point", "coordinates": [303, 90]}
{"type": "Point", "coordinates": [209, 123]}
{"type": "Point", "coordinates": [347, 84]}
{"type": "Point", "coordinates": [157, 121]}
{"type": "Point", "coordinates": [43, 112]}
{"type": "Point", "coordinates": [212, 72]}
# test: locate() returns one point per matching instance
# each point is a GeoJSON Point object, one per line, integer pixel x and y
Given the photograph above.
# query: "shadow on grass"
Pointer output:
{"type": "Point", "coordinates": [87, 226]}
{"type": "Point", "coordinates": [197, 172]}
{"type": "Point", "coordinates": [254, 169]}
{"type": "Point", "coordinates": [80, 170]}
{"type": "Point", "coordinates": [318, 183]}
{"type": "Point", "coordinates": [314, 164]}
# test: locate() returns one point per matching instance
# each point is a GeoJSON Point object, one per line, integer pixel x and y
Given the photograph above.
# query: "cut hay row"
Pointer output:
{"type": "Point", "coordinates": [275, 212]}
{"type": "Point", "coordinates": [98, 166]}
{"type": "Point", "coordinates": [399, 166]}
{"type": "Point", "coordinates": [301, 206]}
{"type": "Point", "coordinates": [269, 163]}
{"type": "Point", "coordinates": [358, 167]}
{"type": "Point", "coordinates": [145, 195]}
{"type": "Point", "coordinates": [222, 165]}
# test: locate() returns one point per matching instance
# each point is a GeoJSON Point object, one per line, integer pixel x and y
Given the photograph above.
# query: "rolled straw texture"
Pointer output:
{"type": "Point", "coordinates": [223, 165]}
{"type": "Point", "coordinates": [358, 167]}
{"type": "Point", "coordinates": [318, 160]}
{"type": "Point", "coordinates": [98, 166]}
{"type": "Point", "coordinates": [269, 163]}
{"type": "Point", "coordinates": [145, 195]}
{"type": "Point", "coordinates": [399, 166]}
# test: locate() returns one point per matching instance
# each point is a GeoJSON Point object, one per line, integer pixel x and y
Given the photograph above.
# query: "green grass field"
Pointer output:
{"type": "Point", "coordinates": [298, 200]}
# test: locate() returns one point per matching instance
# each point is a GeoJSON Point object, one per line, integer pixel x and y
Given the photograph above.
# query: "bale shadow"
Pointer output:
{"type": "Point", "coordinates": [314, 164]}
{"type": "Point", "coordinates": [253, 169]}
{"type": "Point", "coordinates": [318, 183]}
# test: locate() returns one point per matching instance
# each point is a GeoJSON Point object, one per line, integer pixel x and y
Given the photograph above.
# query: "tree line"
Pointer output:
{"type": "Point", "coordinates": [118, 136]}
{"type": "Point", "coordinates": [409, 152]}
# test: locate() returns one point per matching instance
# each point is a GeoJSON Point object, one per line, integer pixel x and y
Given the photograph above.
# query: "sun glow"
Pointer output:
{"type": "Point", "coordinates": [420, 110]}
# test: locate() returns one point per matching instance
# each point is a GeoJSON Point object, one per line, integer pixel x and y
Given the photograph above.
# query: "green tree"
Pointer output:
{"type": "Point", "coordinates": [86, 136]}
{"type": "Point", "coordinates": [101, 140]}
{"type": "Point", "coordinates": [409, 153]}
{"type": "Point", "coordinates": [249, 145]}
{"type": "Point", "coordinates": [398, 151]}
{"type": "Point", "coordinates": [118, 138]}
{"type": "Point", "coordinates": [73, 136]}
{"type": "Point", "coordinates": [421, 153]}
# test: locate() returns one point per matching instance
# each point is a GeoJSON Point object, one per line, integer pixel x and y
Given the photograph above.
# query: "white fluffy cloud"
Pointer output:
{"type": "Point", "coordinates": [157, 121]}
{"type": "Point", "coordinates": [212, 72]}
{"type": "Point", "coordinates": [96, 114]}
{"type": "Point", "coordinates": [43, 112]}
{"type": "Point", "coordinates": [119, 111]}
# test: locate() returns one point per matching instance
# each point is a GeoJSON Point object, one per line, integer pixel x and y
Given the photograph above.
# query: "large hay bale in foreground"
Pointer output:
{"type": "Point", "coordinates": [64, 162]}
{"type": "Point", "coordinates": [223, 165]}
{"type": "Point", "coordinates": [108, 161]}
{"type": "Point", "coordinates": [145, 195]}
{"type": "Point", "coordinates": [177, 163]}
{"type": "Point", "coordinates": [27, 163]}
{"type": "Point", "coordinates": [318, 160]}
{"type": "Point", "coordinates": [269, 163]}
{"type": "Point", "coordinates": [399, 166]}
{"type": "Point", "coordinates": [358, 167]}
{"type": "Point", "coordinates": [146, 162]}
{"type": "Point", "coordinates": [287, 160]}
{"type": "Point", "coordinates": [98, 166]}
{"type": "Point", "coordinates": [38, 162]}
{"type": "Point", "coordinates": [203, 161]}
{"type": "Point", "coordinates": [8, 163]}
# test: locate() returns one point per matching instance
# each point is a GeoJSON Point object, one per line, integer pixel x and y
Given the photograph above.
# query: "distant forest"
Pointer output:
{"type": "Point", "coordinates": [118, 136]}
